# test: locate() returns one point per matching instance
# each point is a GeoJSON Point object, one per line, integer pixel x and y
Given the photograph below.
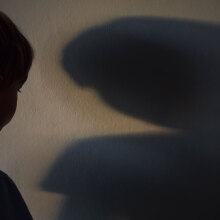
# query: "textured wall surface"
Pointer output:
{"type": "Point", "coordinates": [55, 111]}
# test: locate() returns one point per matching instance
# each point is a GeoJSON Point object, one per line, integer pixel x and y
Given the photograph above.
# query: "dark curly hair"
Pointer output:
{"type": "Point", "coordinates": [16, 53]}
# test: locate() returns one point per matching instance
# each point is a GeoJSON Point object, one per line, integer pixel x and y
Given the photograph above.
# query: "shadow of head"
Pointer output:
{"type": "Point", "coordinates": [159, 70]}
{"type": "Point", "coordinates": [138, 177]}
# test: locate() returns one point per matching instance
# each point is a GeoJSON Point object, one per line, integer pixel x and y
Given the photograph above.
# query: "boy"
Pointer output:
{"type": "Point", "coordinates": [16, 57]}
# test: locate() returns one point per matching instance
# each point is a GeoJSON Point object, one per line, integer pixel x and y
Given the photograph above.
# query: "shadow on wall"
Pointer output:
{"type": "Point", "coordinates": [138, 177]}
{"type": "Point", "coordinates": [160, 70]}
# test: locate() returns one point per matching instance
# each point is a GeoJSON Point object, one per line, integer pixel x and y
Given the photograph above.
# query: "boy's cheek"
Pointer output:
{"type": "Point", "coordinates": [5, 117]}
{"type": "Point", "coordinates": [8, 106]}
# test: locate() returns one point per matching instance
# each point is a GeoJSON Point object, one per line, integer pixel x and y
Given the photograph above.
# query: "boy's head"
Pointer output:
{"type": "Point", "coordinates": [16, 57]}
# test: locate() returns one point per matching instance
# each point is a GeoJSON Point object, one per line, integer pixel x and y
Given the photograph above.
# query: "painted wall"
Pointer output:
{"type": "Point", "coordinates": [60, 111]}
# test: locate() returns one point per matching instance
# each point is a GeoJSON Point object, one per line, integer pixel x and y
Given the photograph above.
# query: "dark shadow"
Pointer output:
{"type": "Point", "coordinates": [160, 70]}
{"type": "Point", "coordinates": [138, 177]}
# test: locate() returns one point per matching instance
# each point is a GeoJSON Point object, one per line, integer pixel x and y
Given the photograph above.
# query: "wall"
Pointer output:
{"type": "Point", "coordinates": [53, 109]}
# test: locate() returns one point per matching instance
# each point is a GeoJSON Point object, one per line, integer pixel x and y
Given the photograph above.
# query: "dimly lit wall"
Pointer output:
{"type": "Point", "coordinates": [54, 110]}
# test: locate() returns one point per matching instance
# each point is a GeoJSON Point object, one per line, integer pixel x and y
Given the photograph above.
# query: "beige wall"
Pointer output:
{"type": "Point", "coordinates": [52, 109]}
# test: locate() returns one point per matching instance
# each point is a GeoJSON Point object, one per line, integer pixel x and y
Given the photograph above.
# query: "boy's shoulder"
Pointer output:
{"type": "Point", "coordinates": [5, 179]}
{"type": "Point", "coordinates": [11, 202]}
{"type": "Point", "coordinates": [7, 186]}
{"type": "Point", "coordinates": [3, 175]}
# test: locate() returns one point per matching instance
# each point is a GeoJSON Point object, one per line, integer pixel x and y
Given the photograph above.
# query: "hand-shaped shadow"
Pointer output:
{"type": "Point", "coordinates": [160, 70]}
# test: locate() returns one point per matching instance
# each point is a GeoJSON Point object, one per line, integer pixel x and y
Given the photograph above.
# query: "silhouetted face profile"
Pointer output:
{"type": "Point", "coordinates": [8, 102]}
{"type": "Point", "coordinates": [16, 56]}
{"type": "Point", "coordinates": [159, 70]}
